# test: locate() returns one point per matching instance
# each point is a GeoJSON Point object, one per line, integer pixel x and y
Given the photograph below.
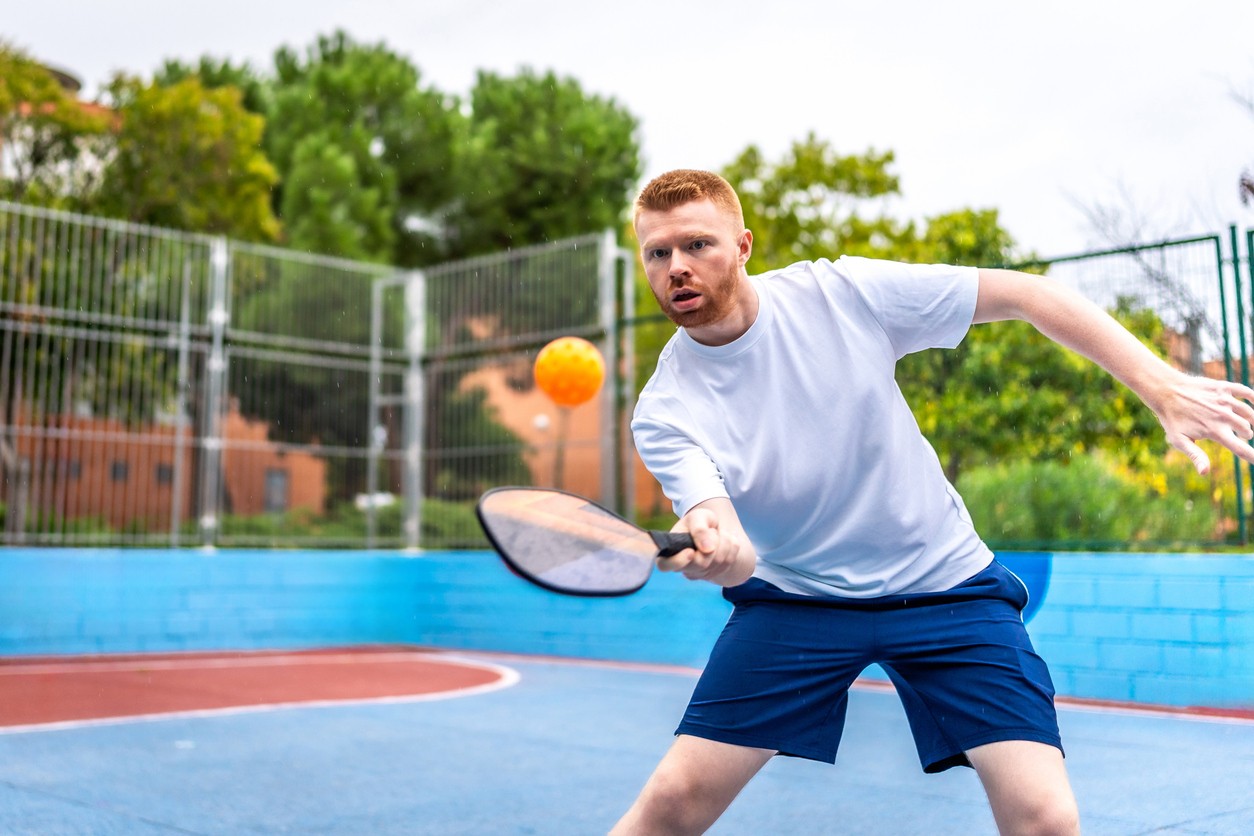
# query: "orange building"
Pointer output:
{"type": "Point", "coordinates": [99, 468]}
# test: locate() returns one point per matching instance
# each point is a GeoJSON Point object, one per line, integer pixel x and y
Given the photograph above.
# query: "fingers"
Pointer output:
{"type": "Point", "coordinates": [694, 563]}
{"type": "Point", "coordinates": [1214, 410]}
{"type": "Point", "coordinates": [1241, 391]}
{"type": "Point", "coordinates": [1201, 461]}
{"type": "Point", "coordinates": [1243, 410]}
{"type": "Point", "coordinates": [1235, 403]}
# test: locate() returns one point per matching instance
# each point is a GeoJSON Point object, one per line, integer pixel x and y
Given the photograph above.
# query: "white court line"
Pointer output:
{"type": "Point", "coordinates": [1163, 712]}
{"type": "Point", "coordinates": [207, 663]}
{"type": "Point", "coordinates": [882, 686]}
{"type": "Point", "coordinates": [508, 677]}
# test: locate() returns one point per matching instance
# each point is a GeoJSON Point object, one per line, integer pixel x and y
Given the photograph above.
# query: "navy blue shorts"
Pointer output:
{"type": "Point", "coordinates": [964, 668]}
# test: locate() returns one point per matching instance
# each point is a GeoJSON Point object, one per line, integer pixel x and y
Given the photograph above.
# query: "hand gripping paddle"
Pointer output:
{"type": "Point", "coordinates": [571, 545]}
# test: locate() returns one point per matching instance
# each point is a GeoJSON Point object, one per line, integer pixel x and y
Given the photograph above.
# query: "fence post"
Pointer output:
{"type": "Point", "coordinates": [1236, 272]}
{"type": "Point", "coordinates": [625, 376]}
{"type": "Point", "coordinates": [215, 391]}
{"type": "Point", "coordinates": [607, 293]}
{"type": "Point", "coordinates": [180, 434]}
{"type": "Point", "coordinates": [373, 427]}
{"type": "Point", "coordinates": [415, 403]}
{"type": "Point", "coordinates": [1245, 354]}
{"type": "Point", "coordinates": [1223, 316]}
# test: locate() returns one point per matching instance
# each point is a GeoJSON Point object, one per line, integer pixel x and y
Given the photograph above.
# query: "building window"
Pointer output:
{"type": "Point", "coordinates": [276, 489]}
{"type": "Point", "coordinates": [118, 471]}
{"type": "Point", "coordinates": [165, 474]}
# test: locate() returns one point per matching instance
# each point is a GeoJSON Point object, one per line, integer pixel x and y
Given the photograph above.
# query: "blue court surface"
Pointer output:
{"type": "Point", "coordinates": [563, 750]}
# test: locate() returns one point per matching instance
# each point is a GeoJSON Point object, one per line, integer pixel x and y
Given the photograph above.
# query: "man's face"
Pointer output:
{"type": "Point", "coordinates": [694, 257]}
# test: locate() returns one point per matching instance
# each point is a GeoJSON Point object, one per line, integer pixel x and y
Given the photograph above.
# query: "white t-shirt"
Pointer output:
{"type": "Point", "coordinates": [801, 424]}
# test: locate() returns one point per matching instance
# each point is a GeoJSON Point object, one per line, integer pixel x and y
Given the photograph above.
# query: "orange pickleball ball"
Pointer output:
{"type": "Point", "coordinates": [570, 371]}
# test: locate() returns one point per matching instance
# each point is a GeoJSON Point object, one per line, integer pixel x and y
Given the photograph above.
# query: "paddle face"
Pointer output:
{"type": "Point", "coordinates": [566, 543]}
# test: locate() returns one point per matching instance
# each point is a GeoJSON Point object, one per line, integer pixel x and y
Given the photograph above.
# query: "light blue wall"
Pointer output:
{"type": "Point", "coordinates": [73, 601]}
{"type": "Point", "coordinates": [1171, 629]}
{"type": "Point", "coordinates": [1163, 629]}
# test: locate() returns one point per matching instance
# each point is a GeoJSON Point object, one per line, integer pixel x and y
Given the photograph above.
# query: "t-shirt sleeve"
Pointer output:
{"type": "Point", "coordinates": [686, 473]}
{"type": "Point", "coordinates": [919, 306]}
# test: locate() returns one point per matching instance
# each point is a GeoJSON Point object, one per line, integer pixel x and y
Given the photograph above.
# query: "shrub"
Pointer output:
{"type": "Point", "coordinates": [1085, 503]}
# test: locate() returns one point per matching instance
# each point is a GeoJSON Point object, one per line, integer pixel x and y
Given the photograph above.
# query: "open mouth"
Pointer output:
{"type": "Point", "coordinates": [685, 299]}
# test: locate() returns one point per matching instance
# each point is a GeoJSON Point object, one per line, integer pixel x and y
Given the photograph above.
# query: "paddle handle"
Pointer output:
{"type": "Point", "coordinates": [671, 543]}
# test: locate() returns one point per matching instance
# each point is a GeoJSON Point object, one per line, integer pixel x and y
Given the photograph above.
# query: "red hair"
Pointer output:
{"type": "Point", "coordinates": [675, 188]}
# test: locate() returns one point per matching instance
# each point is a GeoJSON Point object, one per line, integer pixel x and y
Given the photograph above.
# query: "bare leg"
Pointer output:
{"type": "Point", "coordinates": [691, 787]}
{"type": "Point", "coordinates": [1027, 788]}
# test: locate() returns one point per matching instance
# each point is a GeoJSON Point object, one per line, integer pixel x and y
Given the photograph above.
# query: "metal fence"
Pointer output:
{"type": "Point", "coordinates": [453, 404]}
{"type": "Point", "coordinates": [1195, 287]}
{"type": "Point", "coordinates": [167, 388]}
{"type": "Point", "coordinates": [176, 389]}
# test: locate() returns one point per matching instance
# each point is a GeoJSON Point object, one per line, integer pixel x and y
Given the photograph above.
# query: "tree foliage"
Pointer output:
{"type": "Point", "coordinates": [814, 203]}
{"type": "Point", "coordinates": [50, 143]}
{"type": "Point", "coordinates": [544, 161]}
{"type": "Point", "coordinates": [355, 120]}
{"type": "Point", "coordinates": [189, 158]}
{"type": "Point", "coordinates": [1008, 392]}
{"type": "Point", "coordinates": [255, 90]}
{"type": "Point", "coordinates": [328, 207]}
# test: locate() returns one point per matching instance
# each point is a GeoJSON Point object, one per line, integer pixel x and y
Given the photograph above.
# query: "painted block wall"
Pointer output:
{"type": "Point", "coordinates": [1162, 629]}
{"type": "Point", "coordinates": [1168, 629]}
{"type": "Point", "coordinates": [87, 601]}
{"type": "Point", "coordinates": [84, 601]}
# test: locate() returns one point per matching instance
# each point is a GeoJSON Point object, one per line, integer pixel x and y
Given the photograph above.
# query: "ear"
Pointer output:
{"type": "Point", "coordinates": [744, 247]}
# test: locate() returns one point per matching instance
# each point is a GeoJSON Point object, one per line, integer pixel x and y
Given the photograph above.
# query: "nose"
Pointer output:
{"type": "Point", "coordinates": [678, 267]}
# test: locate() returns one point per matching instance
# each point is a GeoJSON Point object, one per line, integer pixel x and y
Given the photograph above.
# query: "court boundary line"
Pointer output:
{"type": "Point", "coordinates": [177, 662]}
{"type": "Point", "coordinates": [496, 661]}
{"type": "Point", "coordinates": [1201, 714]}
{"type": "Point", "coordinates": [506, 678]}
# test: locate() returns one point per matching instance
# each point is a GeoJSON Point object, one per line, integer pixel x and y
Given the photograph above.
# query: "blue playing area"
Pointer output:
{"type": "Point", "coordinates": [564, 751]}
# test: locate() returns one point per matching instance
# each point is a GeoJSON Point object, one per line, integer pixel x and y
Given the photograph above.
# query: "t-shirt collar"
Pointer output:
{"type": "Point", "coordinates": [761, 324]}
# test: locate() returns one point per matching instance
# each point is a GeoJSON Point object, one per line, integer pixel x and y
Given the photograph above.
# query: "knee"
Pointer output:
{"type": "Point", "coordinates": [676, 803]}
{"type": "Point", "coordinates": [673, 803]}
{"type": "Point", "coordinates": [1056, 815]}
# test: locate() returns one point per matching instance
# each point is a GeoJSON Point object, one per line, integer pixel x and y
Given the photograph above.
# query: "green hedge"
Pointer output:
{"type": "Point", "coordinates": [1086, 503]}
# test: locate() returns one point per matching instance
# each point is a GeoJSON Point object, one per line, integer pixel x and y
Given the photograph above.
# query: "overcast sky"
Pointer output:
{"type": "Point", "coordinates": [1036, 109]}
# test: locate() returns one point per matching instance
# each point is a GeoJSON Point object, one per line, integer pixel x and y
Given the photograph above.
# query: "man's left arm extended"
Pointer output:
{"type": "Point", "coordinates": [1190, 408]}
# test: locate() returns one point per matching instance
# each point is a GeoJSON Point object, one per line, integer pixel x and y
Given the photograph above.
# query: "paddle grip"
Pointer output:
{"type": "Point", "coordinates": [671, 543]}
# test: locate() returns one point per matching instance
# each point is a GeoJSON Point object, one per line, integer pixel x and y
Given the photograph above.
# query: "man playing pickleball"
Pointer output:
{"type": "Point", "coordinates": [774, 424]}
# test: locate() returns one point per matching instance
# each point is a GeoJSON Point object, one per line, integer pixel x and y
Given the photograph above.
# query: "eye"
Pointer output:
{"type": "Point", "coordinates": [659, 253]}
{"type": "Point", "coordinates": [699, 245]}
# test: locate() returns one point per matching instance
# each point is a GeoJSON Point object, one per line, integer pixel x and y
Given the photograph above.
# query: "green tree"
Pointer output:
{"type": "Point", "coordinates": [189, 158]}
{"type": "Point", "coordinates": [815, 203]}
{"type": "Point", "coordinates": [544, 161]}
{"type": "Point", "coordinates": [329, 208]}
{"type": "Point", "coordinates": [354, 118]}
{"type": "Point", "coordinates": [1008, 392]}
{"type": "Point", "coordinates": [51, 143]}
{"type": "Point", "coordinates": [255, 91]}
{"type": "Point", "coordinates": [964, 236]}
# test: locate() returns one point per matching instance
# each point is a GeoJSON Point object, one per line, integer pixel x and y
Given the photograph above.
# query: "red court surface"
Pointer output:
{"type": "Point", "coordinates": [50, 690]}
